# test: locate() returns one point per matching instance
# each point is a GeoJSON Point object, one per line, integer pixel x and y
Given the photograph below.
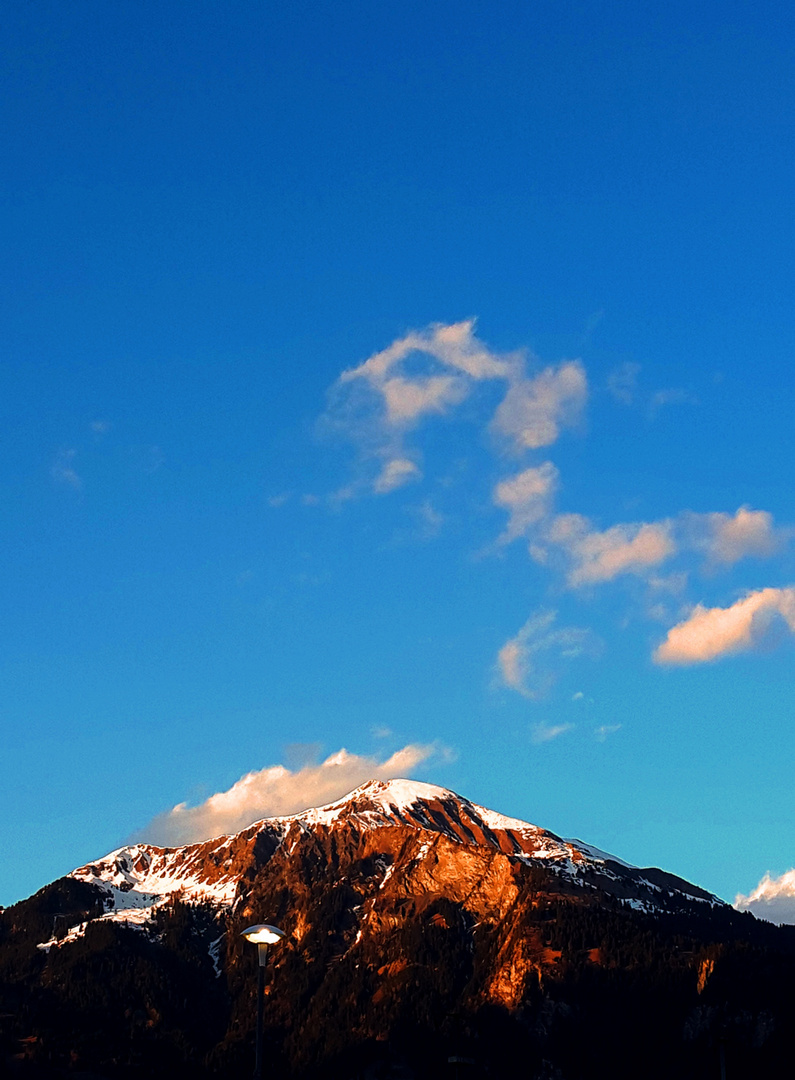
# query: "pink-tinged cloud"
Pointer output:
{"type": "Point", "coordinates": [513, 665]}
{"type": "Point", "coordinates": [535, 409]}
{"type": "Point", "coordinates": [528, 662]}
{"type": "Point", "coordinates": [623, 549]}
{"type": "Point", "coordinates": [709, 633]}
{"type": "Point", "coordinates": [527, 498]}
{"type": "Point", "coordinates": [772, 899]}
{"type": "Point", "coordinates": [382, 403]}
{"type": "Point", "coordinates": [278, 791]}
{"type": "Point", "coordinates": [727, 538]}
{"type": "Point", "coordinates": [595, 556]}
{"type": "Point", "coordinates": [454, 347]}
{"type": "Point", "coordinates": [408, 399]}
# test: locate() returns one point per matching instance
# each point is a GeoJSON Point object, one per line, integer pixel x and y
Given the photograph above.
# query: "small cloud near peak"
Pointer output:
{"type": "Point", "coordinates": [772, 899]}
{"type": "Point", "coordinates": [278, 791]}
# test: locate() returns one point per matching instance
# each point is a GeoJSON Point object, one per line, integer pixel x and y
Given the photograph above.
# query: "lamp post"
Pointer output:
{"type": "Point", "coordinates": [262, 935]}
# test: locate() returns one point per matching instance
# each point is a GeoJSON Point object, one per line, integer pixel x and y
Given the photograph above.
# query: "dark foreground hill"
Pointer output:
{"type": "Point", "coordinates": [426, 937]}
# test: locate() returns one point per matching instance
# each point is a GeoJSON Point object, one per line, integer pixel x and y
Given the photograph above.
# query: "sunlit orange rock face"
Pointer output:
{"type": "Point", "coordinates": [359, 889]}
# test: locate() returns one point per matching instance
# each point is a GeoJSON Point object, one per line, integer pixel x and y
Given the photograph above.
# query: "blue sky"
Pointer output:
{"type": "Point", "coordinates": [541, 550]}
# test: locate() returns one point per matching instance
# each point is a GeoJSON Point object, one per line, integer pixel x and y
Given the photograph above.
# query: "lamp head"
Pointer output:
{"type": "Point", "coordinates": [263, 934]}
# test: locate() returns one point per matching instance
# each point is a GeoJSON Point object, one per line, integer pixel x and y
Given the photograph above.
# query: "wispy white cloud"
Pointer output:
{"type": "Point", "coordinates": [544, 733]}
{"type": "Point", "coordinates": [673, 583]}
{"type": "Point", "coordinates": [429, 519]}
{"type": "Point", "coordinates": [672, 396]}
{"type": "Point", "coordinates": [278, 791]}
{"type": "Point", "coordinates": [709, 633]}
{"type": "Point", "coordinates": [63, 471]}
{"type": "Point", "coordinates": [460, 361]}
{"type": "Point", "coordinates": [604, 731]}
{"type": "Point", "coordinates": [772, 899]}
{"type": "Point", "coordinates": [535, 409]}
{"type": "Point", "coordinates": [590, 556]}
{"type": "Point", "coordinates": [639, 548]}
{"type": "Point", "coordinates": [527, 498]}
{"type": "Point", "coordinates": [727, 538]}
{"type": "Point", "coordinates": [407, 400]}
{"type": "Point", "coordinates": [336, 498]}
{"type": "Point", "coordinates": [430, 372]}
{"type": "Point", "coordinates": [453, 345]}
{"type": "Point", "coordinates": [526, 663]}
{"type": "Point", "coordinates": [622, 382]}
{"type": "Point", "coordinates": [148, 459]}
{"type": "Point", "coordinates": [622, 549]}
{"type": "Point", "coordinates": [396, 473]}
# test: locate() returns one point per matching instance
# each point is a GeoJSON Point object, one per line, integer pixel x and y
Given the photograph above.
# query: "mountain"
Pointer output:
{"type": "Point", "coordinates": [420, 928]}
{"type": "Point", "coordinates": [133, 881]}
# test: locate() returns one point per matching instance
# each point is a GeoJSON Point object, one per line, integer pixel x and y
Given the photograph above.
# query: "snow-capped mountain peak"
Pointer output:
{"type": "Point", "coordinates": [135, 880]}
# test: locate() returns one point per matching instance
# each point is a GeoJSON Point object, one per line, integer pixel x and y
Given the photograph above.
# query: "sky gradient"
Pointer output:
{"type": "Point", "coordinates": [409, 380]}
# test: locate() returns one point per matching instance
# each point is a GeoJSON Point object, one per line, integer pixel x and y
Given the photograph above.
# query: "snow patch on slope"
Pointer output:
{"type": "Point", "coordinates": [597, 853]}
{"type": "Point", "coordinates": [138, 918]}
{"type": "Point", "coordinates": [138, 875]}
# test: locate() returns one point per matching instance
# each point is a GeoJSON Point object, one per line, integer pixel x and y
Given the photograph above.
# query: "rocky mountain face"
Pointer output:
{"type": "Point", "coordinates": [426, 936]}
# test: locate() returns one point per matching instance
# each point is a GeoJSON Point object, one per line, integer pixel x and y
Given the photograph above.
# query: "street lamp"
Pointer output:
{"type": "Point", "coordinates": [262, 935]}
